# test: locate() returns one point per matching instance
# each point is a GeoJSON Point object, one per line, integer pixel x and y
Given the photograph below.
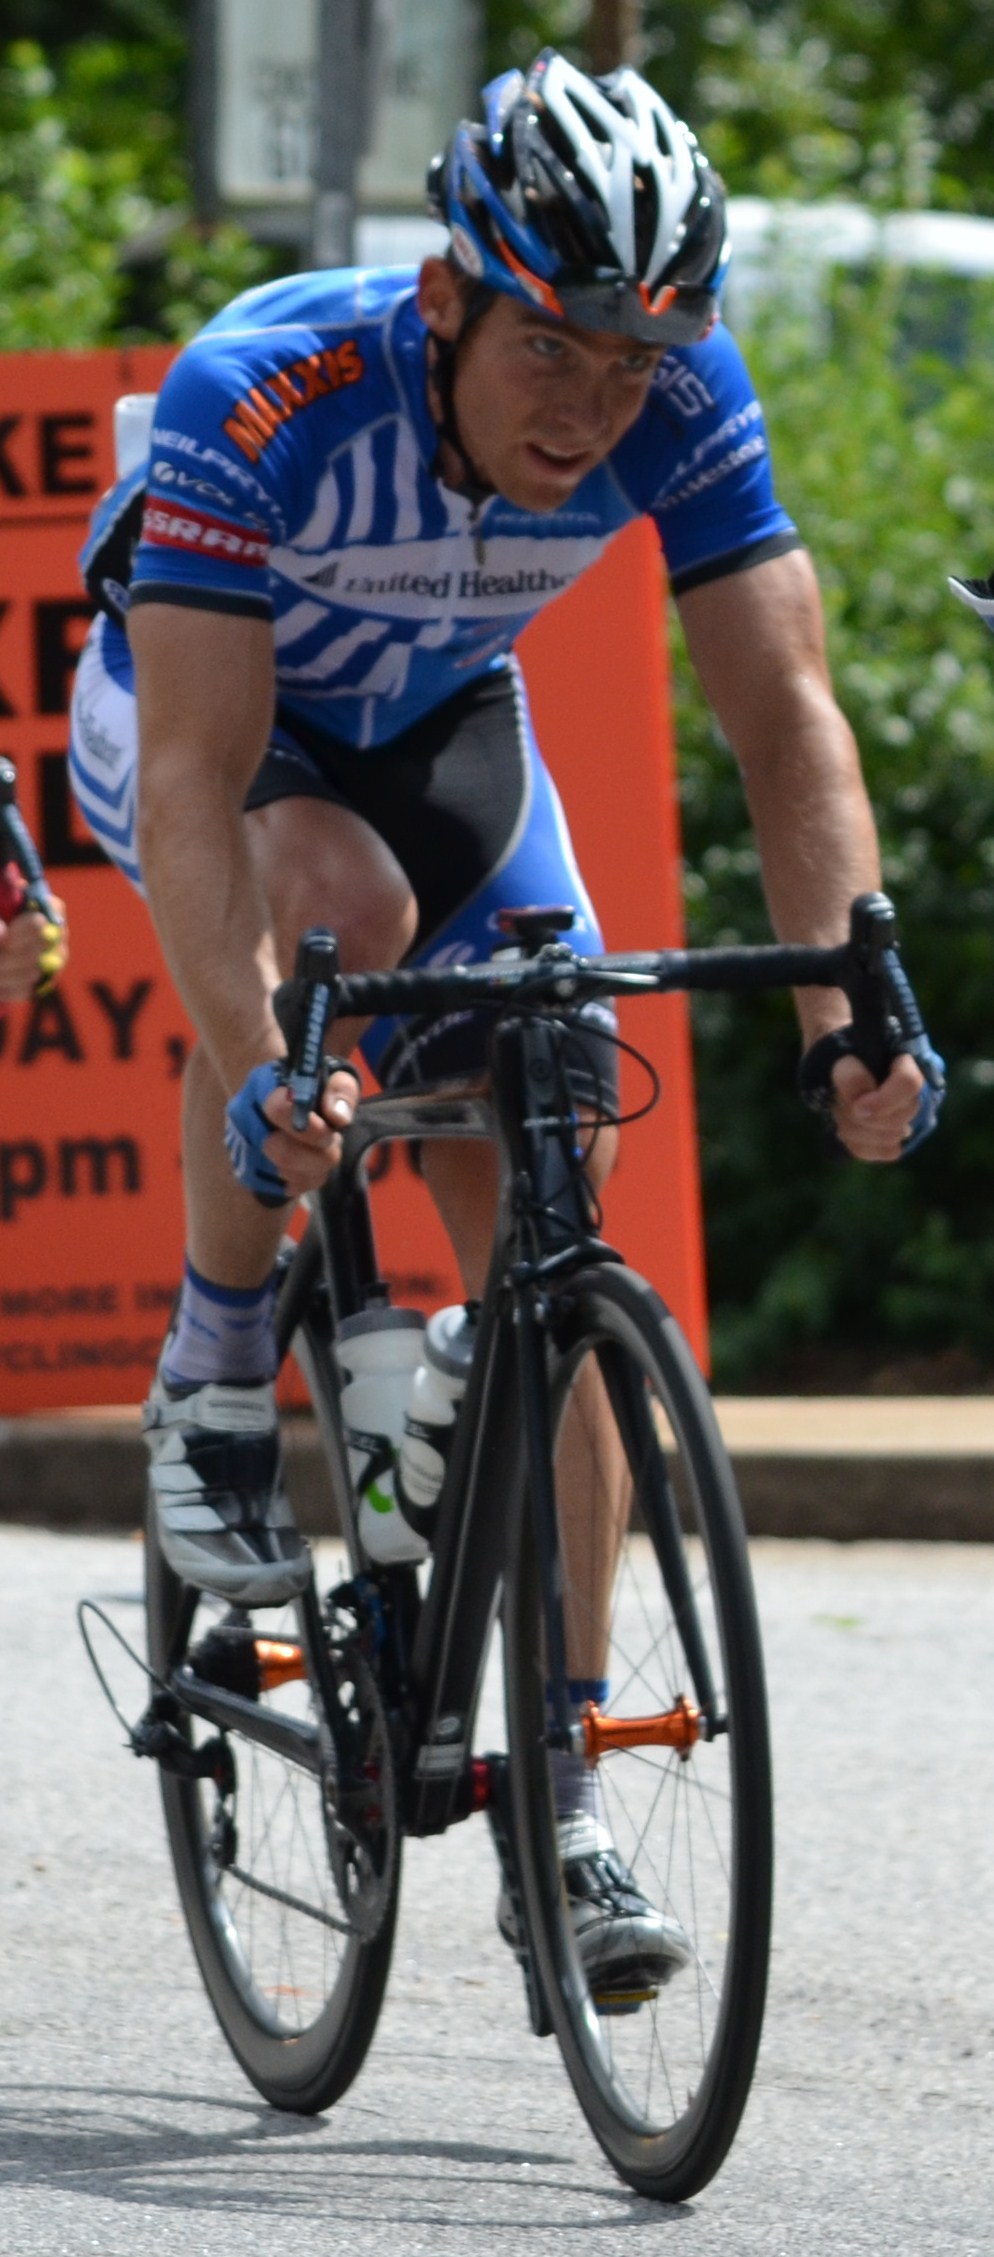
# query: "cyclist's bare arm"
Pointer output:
{"type": "Point", "coordinates": [756, 640]}
{"type": "Point", "coordinates": [205, 687]}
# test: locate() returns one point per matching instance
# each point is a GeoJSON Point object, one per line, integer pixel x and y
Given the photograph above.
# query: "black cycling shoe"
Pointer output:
{"type": "Point", "coordinates": [222, 1517]}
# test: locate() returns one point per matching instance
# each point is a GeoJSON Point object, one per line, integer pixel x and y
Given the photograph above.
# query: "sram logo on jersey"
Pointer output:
{"type": "Point", "coordinates": [193, 529]}
{"type": "Point", "coordinates": [256, 418]}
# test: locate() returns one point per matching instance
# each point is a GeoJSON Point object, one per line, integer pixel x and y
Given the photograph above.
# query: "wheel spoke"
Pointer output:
{"type": "Point", "coordinates": [295, 1970]}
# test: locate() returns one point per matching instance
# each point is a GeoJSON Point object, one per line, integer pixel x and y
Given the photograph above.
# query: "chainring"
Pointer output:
{"type": "Point", "coordinates": [360, 1815]}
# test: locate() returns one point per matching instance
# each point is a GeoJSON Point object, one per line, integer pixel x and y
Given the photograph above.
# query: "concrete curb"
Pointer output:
{"type": "Point", "coordinates": [915, 1469]}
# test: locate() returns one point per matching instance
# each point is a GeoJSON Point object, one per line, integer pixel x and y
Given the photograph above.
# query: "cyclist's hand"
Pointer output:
{"type": "Point", "coordinates": [269, 1157]}
{"type": "Point", "coordinates": [33, 952]}
{"type": "Point", "coordinates": [305, 1157]}
{"type": "Point", "coordinates": [875, 1121]}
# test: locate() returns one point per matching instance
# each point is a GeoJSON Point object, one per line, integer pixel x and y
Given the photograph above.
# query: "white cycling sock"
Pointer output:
{"type": "Point", "coordinates": [576, 1785]}
{"type": "Point", "coordinates": [221, 1333]}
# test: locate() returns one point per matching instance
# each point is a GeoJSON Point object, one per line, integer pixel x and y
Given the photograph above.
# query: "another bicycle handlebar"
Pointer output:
{"type": "Point", "coordinates": [17, 845]}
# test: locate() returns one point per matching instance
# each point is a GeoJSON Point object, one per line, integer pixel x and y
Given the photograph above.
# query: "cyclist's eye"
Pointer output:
{"type": "Point", "coordinates": [547, 348]}
{"type": "Point", "coordinates": [639, 364]}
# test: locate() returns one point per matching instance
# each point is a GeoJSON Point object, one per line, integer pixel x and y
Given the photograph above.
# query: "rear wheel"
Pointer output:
{"type": "Point", "coordinates": [287, 1868]}
{"type": "Point", "coordinates": [658, 1606]}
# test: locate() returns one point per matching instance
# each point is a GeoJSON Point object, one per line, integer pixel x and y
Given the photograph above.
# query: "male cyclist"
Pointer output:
{"type": "Point", "coordinates": [360, 486]}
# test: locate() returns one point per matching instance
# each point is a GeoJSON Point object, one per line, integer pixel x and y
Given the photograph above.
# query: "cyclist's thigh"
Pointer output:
{"type": "Point", "coordinates": [318, 862]}
{"type": "Point", "coordinates": [482, 829]}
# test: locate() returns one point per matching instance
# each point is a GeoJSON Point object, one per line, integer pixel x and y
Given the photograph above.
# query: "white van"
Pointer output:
{"type": "Point", "coordinates": [786, 251]}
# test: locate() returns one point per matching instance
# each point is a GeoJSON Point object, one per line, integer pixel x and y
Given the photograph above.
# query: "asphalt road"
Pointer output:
{"type": "Point", "coordinates": [126, 2129]}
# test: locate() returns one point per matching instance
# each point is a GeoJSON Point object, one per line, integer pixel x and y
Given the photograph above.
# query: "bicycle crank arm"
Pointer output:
{"type": "Point", "coordinates": [498, 1810]}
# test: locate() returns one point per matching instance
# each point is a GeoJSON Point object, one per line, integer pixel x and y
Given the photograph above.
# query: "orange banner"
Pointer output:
{"type": "Point", "coordinates": [90, 1195]}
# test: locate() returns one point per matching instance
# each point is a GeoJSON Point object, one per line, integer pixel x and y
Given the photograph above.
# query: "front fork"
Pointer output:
{"type": "Point", "coordinates": [531, 1333]}
{"type": "Point", "coordinates": [555, 1236]}
{"type": "Point", "coordinates": [555, 1232]}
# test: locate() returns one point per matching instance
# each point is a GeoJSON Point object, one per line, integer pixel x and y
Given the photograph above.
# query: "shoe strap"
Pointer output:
{"type": "Point", "coordinates": [224, 1409]}
{"type": "Point", "coordinates": [581, 1835]}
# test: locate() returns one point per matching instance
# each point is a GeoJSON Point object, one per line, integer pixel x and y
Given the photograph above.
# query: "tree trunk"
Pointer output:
{"type": "Point", "coordinates": [614, 34]}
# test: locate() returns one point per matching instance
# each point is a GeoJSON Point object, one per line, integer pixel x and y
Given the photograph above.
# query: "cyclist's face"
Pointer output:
{"type": "Point", "coordinates": [540, 403]}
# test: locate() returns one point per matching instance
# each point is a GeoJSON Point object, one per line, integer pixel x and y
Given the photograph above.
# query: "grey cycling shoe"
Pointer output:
{"type": "Point", "coordinates": [222, 1517]}
{"type": "Point", "coordinates": [628, 1950]}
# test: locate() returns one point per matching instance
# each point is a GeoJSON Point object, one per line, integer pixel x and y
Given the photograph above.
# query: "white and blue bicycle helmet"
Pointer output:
{"type": "Point", "coordinates": [979, 594]}
{"type": "Point", "coordinates": [589, 198]}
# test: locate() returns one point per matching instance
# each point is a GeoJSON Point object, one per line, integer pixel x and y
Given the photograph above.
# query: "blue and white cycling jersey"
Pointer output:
{"type": "Point", "coordinates": [290, 476]}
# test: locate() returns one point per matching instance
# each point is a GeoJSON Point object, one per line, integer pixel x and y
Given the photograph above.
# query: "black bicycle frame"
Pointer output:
{"type": "Point", "coordinates": [546, 1230]}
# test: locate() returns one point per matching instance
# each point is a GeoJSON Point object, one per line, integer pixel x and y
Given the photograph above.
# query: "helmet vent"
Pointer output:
{"type": "Point", "coordinates": [662, 139]}
{"type": "Point", "coordinates": [646, 216]}
{"type": "Point", "coordinates": [595, 126]}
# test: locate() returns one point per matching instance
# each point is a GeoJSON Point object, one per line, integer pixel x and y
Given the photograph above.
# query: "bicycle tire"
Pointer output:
{"type": "Point", "coordinates": [662, 2083]}
{"type": "Point", "coordinates": [266, 1963]}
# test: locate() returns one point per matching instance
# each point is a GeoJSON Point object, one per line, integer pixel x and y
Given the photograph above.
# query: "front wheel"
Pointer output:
{"type": "Point", "coordinates": [657, 2011]}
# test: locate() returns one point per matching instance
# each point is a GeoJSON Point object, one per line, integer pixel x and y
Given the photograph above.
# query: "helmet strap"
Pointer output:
{"type": "Point", "coordinates": [443, 369]}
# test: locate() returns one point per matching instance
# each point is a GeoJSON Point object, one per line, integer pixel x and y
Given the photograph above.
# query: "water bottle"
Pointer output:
{"type": "Point", "coordinates": [134, 415]}
{"type": "Point", "coordinates": [377, 1354]}
{"type": "Point", "coordinates": [436, 1392]}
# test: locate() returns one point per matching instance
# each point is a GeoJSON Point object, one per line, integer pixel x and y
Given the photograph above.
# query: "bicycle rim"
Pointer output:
{"type": "Point", "coordinates": [295, 1966]}
{"type": "Point", "coordinates": [661, 2067]}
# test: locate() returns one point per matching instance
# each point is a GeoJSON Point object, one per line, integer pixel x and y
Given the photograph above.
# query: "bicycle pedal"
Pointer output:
{"type": "Point", "coordinates": [623, 2002]}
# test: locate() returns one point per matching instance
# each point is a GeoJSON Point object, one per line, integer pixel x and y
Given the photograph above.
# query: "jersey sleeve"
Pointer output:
{"type": "Point", "coordinates": [209, 517]}
{"type": "Point", "coordinates": [698, 463]}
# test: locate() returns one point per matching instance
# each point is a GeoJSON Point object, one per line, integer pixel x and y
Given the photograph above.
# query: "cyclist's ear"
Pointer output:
{"type": "Point", "coordinates": [441, 299]}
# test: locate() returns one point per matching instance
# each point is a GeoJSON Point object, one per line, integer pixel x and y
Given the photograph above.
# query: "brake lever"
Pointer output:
{"type": "Point", "coordinates": [873, 951]}
{"type": "Point", "coordinates": [914, 1038]}
{"type": "Point", "coordinates": [305, 1008]}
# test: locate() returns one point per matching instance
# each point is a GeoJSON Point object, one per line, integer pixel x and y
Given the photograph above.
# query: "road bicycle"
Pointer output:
{"type": "Point", "coordinates": [589, 1507]}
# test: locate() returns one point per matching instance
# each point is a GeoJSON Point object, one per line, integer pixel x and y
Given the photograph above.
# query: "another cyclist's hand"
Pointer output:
{"type": "Point", "coordinates": [875, 1121]}
{"type": "Point", "coordinates": [268, 1156]}
{"type": "Point", "coordinates": [33, 952]}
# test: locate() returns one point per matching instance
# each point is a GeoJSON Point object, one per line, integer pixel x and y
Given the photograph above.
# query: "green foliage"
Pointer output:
{"type": "Point", "coordinates": [881, 439]}
{"type": "Point", "coordinates": [888, 100]}
{"type": "Point", "coordinates": [791, 97]}
{"type": "Point", "coordinates": [97, 245]}
{"type": "Point", "coordinates": [882, 457]}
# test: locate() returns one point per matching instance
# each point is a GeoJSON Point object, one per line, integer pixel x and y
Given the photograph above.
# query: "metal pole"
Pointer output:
{"type": "Point", "coordinates": [203, 109]}
{"type": "Point", "coordinates": [341, 104]}
{"type": "Point", "coordinates": [614, 33]}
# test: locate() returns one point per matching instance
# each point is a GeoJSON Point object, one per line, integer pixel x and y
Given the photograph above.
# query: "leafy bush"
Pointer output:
{"type": "Point", "coordinates": [97, 245]}
{"type": "Point", "coordinates": [882, 456]}
{"type": "Point", "coordinates": [882, 447]}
